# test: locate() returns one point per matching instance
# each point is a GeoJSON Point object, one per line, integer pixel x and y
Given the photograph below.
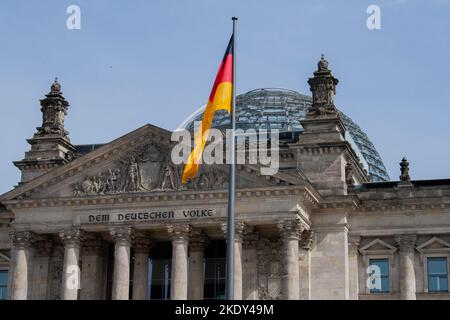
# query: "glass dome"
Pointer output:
{"type": "Point", "coordinates": [283, 109]}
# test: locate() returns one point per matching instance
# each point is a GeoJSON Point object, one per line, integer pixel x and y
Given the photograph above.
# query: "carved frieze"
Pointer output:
{"type": "Point", "coordinates": [148, 168]}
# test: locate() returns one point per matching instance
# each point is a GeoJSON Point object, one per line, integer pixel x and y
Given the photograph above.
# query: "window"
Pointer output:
{"type": "Point", "coordinates": [160, 264]}
{"type": "Point", "coordinates": [380, 275]}
{"type": "Point", "coordinates": [3, 284]}
{"type": "Point", "coordinates": [215, 266]}
{"type": "Point", "coordinates": [437, 274]}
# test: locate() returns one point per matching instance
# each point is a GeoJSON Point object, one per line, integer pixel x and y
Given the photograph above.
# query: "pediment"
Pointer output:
{"type": "Point", "coordinates": [377, 246]}
{"type": "Point", "coordinates": [137, 162]}
{"type": "Point", "coordinates": [434, 244]}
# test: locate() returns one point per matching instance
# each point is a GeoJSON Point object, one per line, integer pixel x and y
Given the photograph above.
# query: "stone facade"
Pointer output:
{"type": "Point", "coordinates": [84, 226]}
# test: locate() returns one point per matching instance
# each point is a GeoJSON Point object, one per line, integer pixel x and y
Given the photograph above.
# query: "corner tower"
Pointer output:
{"type": "Point", "coordinates": [323, 153]}
{"type": "Point", "coordinates": [50, 145]}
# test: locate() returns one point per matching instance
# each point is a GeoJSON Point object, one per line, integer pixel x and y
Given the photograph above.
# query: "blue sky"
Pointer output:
{"type": "Point", "coordinates": [138, 62]}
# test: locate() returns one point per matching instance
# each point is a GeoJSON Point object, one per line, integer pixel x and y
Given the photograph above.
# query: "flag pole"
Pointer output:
{"type": "Point", "coordinates": [232, 182]}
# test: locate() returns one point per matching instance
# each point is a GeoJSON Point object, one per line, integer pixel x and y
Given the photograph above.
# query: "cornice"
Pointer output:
{"type": "Point", "coordinates": [221, 195]}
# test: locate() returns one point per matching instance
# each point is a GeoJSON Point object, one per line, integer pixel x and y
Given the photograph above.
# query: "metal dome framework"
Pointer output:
{"type": "Point", "coordinates": [282, 109]}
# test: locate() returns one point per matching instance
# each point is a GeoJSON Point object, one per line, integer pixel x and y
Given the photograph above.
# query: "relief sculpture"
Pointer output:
{"type": "Point", "coordinates": [149, 168]}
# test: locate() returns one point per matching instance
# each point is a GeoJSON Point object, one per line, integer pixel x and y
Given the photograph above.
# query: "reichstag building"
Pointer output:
{"type": "Point", "coordinates": [331, 224]}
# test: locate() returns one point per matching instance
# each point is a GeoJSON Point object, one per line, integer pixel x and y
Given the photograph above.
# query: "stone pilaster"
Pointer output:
{"type": "Point", "coordinates": [353, 246]}
{"type": "Point", "coordinates": [406, 245]}
{"type": "Point", "coordinates": [180, 240]}
{"type": "Point", "coordinates": [239, 229]}
{"type": "Point", "coordinates": [122, 237]}
{"type": "Point", "coordinates": [41, 268]}
{"type": "Point", "coordinates": [142, 245]}
{"type": "Point", "coordinates": [306, 243]}
{"type": "Point", "coordinates": [21, 284]}
{"type": "Point", "coordinates": [250, 266]}
{"type": "Point", "coordinates": [71, 274]}
{"type": "Point", "coordinates": [197, 245]}
{"type": "Point", "coordinates": [93, 261]}
{"type": "Point", "coordinates": [290, 231]}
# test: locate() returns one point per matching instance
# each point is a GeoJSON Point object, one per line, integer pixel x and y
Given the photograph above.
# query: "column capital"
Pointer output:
{"type": "Point", "coordinates": [406, 242]}
{"type": "Point", "coordinates": [71, 237]}
{"type": "Point", "coordinates": [307, 239]}
{"type": "Point", "coordinates": [22, 239]}
{"type": "Point", "coordinates": [43, 248]}
{"type": "Point", "coordinates": [290, 229]}
{"type": "Point", "coordinates": [240, 228]}
{"type": "Point", "coordinates": [122, 235]}
{"type": "Point", "coordinates": [353, 242]}
{"type": "Point", "coordinates": [179, 232]}
{"type": "Point", "coordinates": [142, 243]}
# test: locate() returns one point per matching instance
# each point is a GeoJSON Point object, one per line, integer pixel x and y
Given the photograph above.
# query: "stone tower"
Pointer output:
{"type": "Point", "coordinates": [323, 153]}
{"type": "Point", "coordinates": [50, 145]}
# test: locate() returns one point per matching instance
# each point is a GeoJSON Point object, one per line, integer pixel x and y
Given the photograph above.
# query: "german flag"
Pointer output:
{"type": "Point", "coordinates": [219, 99]}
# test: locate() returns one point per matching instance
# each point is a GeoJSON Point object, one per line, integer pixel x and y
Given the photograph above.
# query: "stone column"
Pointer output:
{"type": "Point", "coordinates": [141, 247]}
{"type": "Point", "coordinates": [250, 266]}
{"type": "Point", "coordinates": [406, 244]}
{"type": "Point", "coordinates": [197, 245]}
{"type": "Point", "coordinates": [122, 237]}
{"type": "Point", "coordinates": [290, 231]}
{"type": "Point", "coordinates": [180, 240]}
{"type": "Point", "coordinates": [353, 245]}
{"type": "Point", "coordinates": [71, 273]}
{"type": "Point", "coordinates": [239, 230]}
{"type": "Point", "coordinates": [41, 268]}
{"type": "Point", "coordinates": [306, 243]}
{"type": "Point", "coordinates": [22, 241]}
{"type": "Point", "coordinates": [93, 262]}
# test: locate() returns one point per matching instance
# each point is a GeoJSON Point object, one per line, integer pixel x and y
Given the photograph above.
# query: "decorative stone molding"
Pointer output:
{"type": "Point", "coordinates": [142, 244]}
{"type": "Point", "coordinates": [377, 247]}
{"type": "Point", "coordinates": [353, 243]}
{"type": "Point", "coordinates": [432, 247]}
{"type": "Point", "coordinates": [290, 229]}
{"type": "Point", "coordinates": [307, 240]}
{"type": "Point", "coordinates": [145, 197]}
{"type": "Point", "coordinates": [122, 235]}
{"type": "Point", "coordinates": [22, 239]}
{"type": "Point", "coordinates": [239, 230]}
{"type": "Point", "coordinates": [179, 232]}
{"type": "Point", "coordinates": [406, 242]}
{"type": "Point", "coordinates": [71, 237]}
{"type": "Point", "coordinates": [349, 174]}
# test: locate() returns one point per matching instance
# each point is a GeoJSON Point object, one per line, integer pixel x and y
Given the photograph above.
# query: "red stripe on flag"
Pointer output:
{"type": "Point", "coordinates": [225, 74]}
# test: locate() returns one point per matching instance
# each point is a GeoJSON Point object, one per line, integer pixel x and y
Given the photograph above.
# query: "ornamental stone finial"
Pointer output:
{"type": "Point", "coordinates": [404, 170]}
{"type": "Point", "coordinates": [322, 65]}
{"type": "Point", "coordinates": [323, 88]}
{"type": "Point", "coordinates": [56, 87]}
